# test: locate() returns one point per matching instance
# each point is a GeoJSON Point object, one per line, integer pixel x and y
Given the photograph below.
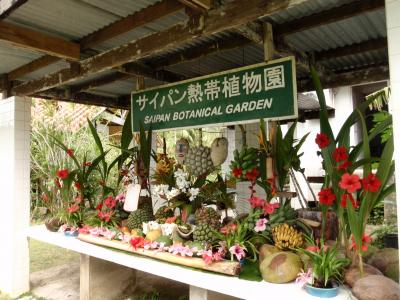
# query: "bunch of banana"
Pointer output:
{"type": "Point", "coordinates": [244, 161]}
{"type": "Point", "coordinates": [286, 237]}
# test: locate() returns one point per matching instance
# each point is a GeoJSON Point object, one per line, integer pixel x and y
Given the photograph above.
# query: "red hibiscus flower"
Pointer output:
{"type": "Point", "coordinates": [87, 164]}
{"type": "Point", "coordinates": [252, 175]}
{"type": "Point", "coordinates": [326, 196]}
{"type": "Point", "coordinates": [340, 154]}
{"type": "Point", "coordinates": [343, 203]}
{"type": "Point", "coordinates": [344, 166]}
{"type": "Point", "coordinates": [104, 216]}
{"type": "Point", "coordinates": [237, 172]}
{"type": "Point", "coordinates": [137, 242]}
{"type": "Point", "coordinates": [364, 242]}
{"type": "Point", "coordinates": [70, 152]}
{"type": "Point", "coordinates": [110, 202]}
{"type": "Point", "coordinates": [228, 228]}
{"type": "Point", "coordinates": [73, 208]}
{"type": "Point", "coordinates": [371, 183]}
{"type": "Point", "coordinates": [77, 185]}
{"type": "Point", "coordinates": [78, 200]}
{"type": "Point", "coordinates": [322, 140]}
{"type": "Point", "coordinates": [256, 202]}
{"type": "Point", "coordinates": [62, 174]}
{"type": "Point", "coordinates": [270, 208]}
{"type": "Point", "coordinates": [350, 183]}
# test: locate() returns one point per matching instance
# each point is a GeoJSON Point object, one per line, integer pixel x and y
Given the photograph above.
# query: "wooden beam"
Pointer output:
{"type": "Point", "coordinates": [32, 66]}
{"type": "Point", "coordinates": [329, 16]}
{"type": "Point", "coordinates": [140, 18]}
{"type": "Point", "coordinates": [221, 19]}
{"type": "Point", "coordinates": [355, 77]}
{"type": "Point", "coordinates": [37, 41]}
{"type": "Point", "coordinates": [86, 98]}
{"type": "Point", "coordinates": [8, 6]}
{"type": "Point", "coordinates": [192, 5]}
{"type": "Point", "coordinates": [104, 80]}
{"type": "Point", "coordinates": [135, 20]}
{"type": "Point", "coordinates": [252, 31]}
{"type": "Point", "coordinates": [371, 45]}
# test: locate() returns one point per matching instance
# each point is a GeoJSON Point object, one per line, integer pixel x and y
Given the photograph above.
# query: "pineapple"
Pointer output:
{"type": "Point", "coordinates": [208, 215]}
{"type": "Point", "coordinates": [204, 233]}
{"type": "Point", "coordinates": [137, 217]}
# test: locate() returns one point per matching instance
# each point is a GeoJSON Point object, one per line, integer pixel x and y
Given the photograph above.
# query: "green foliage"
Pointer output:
{"type": "Point", "coordinates": [214, 192]}
{"type": "Point", "coordinates": [379, 118]}
{"type": "Point", "coordinates": [378, 235]}
{"type": "Point", "coordinates": [326, 262]}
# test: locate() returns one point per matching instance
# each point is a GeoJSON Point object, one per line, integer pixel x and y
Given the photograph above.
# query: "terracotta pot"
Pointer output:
{"type": "Point", "coordinates": [331, 227]}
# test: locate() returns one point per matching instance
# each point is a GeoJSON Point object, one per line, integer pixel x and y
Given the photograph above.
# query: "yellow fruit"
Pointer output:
{"type": "Point", "coordinates": [135, 232]}
{"type": "Point", "coordinates": [153, 235]}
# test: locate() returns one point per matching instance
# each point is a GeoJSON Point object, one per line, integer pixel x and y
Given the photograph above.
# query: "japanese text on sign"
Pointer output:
{"type": "Point", "coordinates": [266, 90]}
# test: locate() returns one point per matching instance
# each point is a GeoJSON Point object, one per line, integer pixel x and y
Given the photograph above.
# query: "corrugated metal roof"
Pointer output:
{"type": "Point", "coordinates": [13, 57]}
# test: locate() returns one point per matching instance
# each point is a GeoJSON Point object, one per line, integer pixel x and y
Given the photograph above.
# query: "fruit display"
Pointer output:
{"type": "Point", "coordinates": [281, 267]}
{"type": "Point", "coordinates": [137, 217]}
{"type": "Point", "coordinates": [198, 161]}
{"type": "Point", "coordinates": [204, 233]}
{"type": "Point", "coordinates": [163, 213]}
{"type": "Point", "coordinates": [208, 215]}
{"type": "Point", "coordinates": [287, 237]}
{"type": "Point", "coordinates": [219, 151]}
{"type": "Point", "coordinates": [244, 161]}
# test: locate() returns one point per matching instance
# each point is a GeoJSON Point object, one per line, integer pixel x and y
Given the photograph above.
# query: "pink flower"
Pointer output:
{"type": "Point", "coordinates": [237, 251]}
{"type": "Point", "coordinates": [73, 208]}
{"type": "Point", "coordinates": [110, 202]}
{"type": "Point", "coordinates": [207, 257]}
{"type": "Point", "coordinates": [304, 278]}
{"type": "Point", "coordinates": [229, 228]}
{"type": "Point", "coordinates": [256, 202]}
{"type": "Point", "coordinates": [120, 197]}
{"type": "Point", "coordinates": [260, 225]}
{"type": "Point", "coordinates": [351, 183]}
{"type": "Point", "coordinates": [270, 208]}
{"type": "Point", "coordinates": [217, 256]}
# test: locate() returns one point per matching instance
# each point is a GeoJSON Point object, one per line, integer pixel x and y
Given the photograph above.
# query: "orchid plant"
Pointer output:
{"type": "Point", "coordinates": [352, 197]}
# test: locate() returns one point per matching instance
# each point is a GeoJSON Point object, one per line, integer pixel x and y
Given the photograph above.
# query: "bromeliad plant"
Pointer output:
{"type": "Point", "coordinates": [352, 197]}
{"type": "Point", "coordinates": [326, 265]}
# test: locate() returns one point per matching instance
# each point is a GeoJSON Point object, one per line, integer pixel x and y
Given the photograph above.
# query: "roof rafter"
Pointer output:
{"type": "Point", "coordinates": [135, 20]}
{"type": "Point", "coordinates": [329, 16]}
{"type": "Point", "coordinates": [37, 41]}
{"type": "Point", "coordinates": [221, 19]}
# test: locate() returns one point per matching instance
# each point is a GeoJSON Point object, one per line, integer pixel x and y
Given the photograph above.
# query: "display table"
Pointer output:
{"type": "Point", "coordinates": [200, 282]}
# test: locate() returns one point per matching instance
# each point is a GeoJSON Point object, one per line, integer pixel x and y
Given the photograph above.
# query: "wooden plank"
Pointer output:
{"type": "Point", "coordinates": [207, 4]}
{"type": "Point", "coordinates": [8, 6]}
{"type": "Point", "coordinates": [146, 15]}
{"type": "Point", "coordinates": [39, 63]}
{"type": "Point", "coordinates": [192, 5]}
{"type": "Point", "coordinates": [224, 18]}
{"type": "Point", "coordinates": [37, 41]}
{"type": "Point", "coordinates": [371, 45]}
{"type": "Point", "coordinates": [362, 76]}
{"type": "Point", "coordinates": [110, 78]}
{"type": "Point", "coordinates": [329, 16]}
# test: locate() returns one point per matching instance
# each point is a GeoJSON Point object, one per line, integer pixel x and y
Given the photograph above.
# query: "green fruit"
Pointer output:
{"type": "Point", "coordinates": [137, 217]}
{"type": "Point", "coordinates": [163, 213]}
{"type": "Point", "coordinates": [204, 233]}
{"type": "Point", "coordinates": [280, 267]}
{"type": "Point", "coordinates": [208, 215]}
{"type": "Point", "coordinates": [164, 239]}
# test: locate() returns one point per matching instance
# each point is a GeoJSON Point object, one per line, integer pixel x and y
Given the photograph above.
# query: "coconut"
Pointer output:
{"type": "Point", "coordinates": [219, 151]}
{"type": "Point", "coordinates": [280, 267]}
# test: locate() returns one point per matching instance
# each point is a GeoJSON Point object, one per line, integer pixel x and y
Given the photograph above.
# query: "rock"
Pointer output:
{"type": "Point", "coordinates": [353, 274]}
{"type": "Point", "coordinates": [280, 267]}
{"type": "Point", "coordinates": [376, 287]}
{"type": "Point", "coordinates": [387, 261]}
{"type": "Point", "coordinates": [370, 251]}
{"type": "Point", "coordinates": [266, 250]}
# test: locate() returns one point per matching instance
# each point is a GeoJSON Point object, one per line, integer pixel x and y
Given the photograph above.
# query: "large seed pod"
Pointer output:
{"type": "Point", "coordinates": [219, 151]}
{"type": "Point", "coordinates": [198, 161]}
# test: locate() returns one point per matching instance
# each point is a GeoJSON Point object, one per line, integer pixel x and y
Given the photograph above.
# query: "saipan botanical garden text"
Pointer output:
{"type": "Point", "coordinates": [261, 104]}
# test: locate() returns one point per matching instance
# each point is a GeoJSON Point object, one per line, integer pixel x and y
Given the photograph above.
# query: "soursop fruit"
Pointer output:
{"type": "Point", "coordinates": [204, 233]}
{"type": "Point", "coordinates": [198, 161]}
{"type": "Point", "coordinates": [163, 213]}
{"type": "Point", "coordinates": [208, 215]}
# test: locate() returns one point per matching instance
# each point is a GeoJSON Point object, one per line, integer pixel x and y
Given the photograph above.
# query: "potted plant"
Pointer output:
{"type": "Point", "coordinates": [386, 237]}
{"type": "Point", "coordinates": [325, 274]}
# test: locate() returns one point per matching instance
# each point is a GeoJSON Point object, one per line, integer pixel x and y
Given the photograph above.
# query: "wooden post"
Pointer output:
{"type": "Point", "coordinates": [100, 278]}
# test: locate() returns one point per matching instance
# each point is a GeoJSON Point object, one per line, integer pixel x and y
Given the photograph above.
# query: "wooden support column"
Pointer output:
{"type": "Point", "coordinates": [101, 279]}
